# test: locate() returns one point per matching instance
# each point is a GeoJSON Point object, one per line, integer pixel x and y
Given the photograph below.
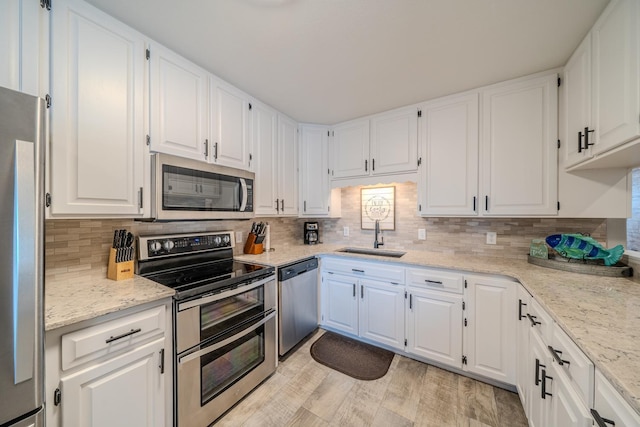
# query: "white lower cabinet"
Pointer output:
{"type": "Point", "coordinates": [522, 345]}
{"type": "Point", "coordinates": [609, 407]}
{"type": "Point", "coordinates": [125, 390]}
{"type": "Point", "coordinates": [434, 326]}
{"type": "Point", "coordinates": [339, 303]}
{"type": "Point", "coordinates": [381, 316]}
{"type": "Point", "coordinates": [364, 299]}
{"type": "Point", "coordinates": [566, 409]}
{"type": "Point", "coordinates": [111, 371]}
{"type": "Point", "coordinates": [490, 329]}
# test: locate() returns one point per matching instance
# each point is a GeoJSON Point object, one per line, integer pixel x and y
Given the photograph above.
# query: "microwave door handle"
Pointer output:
{"type": "Point", "coordinates": [25, 278]}
{"type": "Point", "coordinates": [244, 195]}
{"type": "Point", "coordinates": [197, 354]}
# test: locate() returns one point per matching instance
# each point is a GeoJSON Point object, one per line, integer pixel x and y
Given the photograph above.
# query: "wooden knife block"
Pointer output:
{"type": "Point", "coordinates": [251, 247]}
{"type": "Point", "coordinates": [119, 270]}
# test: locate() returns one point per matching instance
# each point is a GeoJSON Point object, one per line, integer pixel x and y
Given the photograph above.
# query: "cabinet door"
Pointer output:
{"type": "Point", "coordinates": [434, 326]}
{"type": "Point", "coordinates": [394, 141]}
{"type": "Point", "coordinates": [382, 313]}
{"type": "Point", "coordinates": [97, 118]}
{"type": "Point", "coordinates": [520, 147]}
{"type": "Point", "coordinates": [179, 122]}
{"type": "Point", "coordinates": [229, 109]}
{"type": "Point", "coordinates": [287, 165]}
{"type": "Point", "coordinates": [522, 340]}
{"type": "Point", "coordinates": [23, 46]}
{"type": "Point", "coordinates": [490, 332]}
{"type": "Point", "coordinates": [577, 104]}
{"type": "Point", "coordinates": [566, 409]}
{"type": "Point", "coordinates": [450, 153]}
{"type": "Point", "coordinates": [265, 142]}
{"type": "Point", "coordinates": [314, 182]}
{"type": "Point", "coordinates": [616, 74]}
{"type": "Point", "coordinates": [538, 408]}
{"type": "Point", "coordinates": [350, 153]}
{"type": "Point", "coordinates": [340, 304]}
{"type": "Point", "coordinates": [610, 405]}
{"type": "Point", "coordinates": [127, 390]}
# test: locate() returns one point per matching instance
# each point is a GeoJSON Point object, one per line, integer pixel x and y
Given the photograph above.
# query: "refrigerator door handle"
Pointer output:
{"type": "Point", "coordinates": [24, 268]}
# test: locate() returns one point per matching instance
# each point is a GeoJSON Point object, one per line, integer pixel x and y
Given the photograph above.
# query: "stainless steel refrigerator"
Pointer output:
{"type": "Point", "coordinates": [21, 259]}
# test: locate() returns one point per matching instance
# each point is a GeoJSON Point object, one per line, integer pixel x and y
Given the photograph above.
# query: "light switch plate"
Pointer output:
{"type": "Point", "coordinates": [422, 234]}
{"type": "Point", "coordinates": [239, 237]}
{"type": "Point", "coordinates": [491, 237]}
{"type": "Point", "coordinates": [345, 231]}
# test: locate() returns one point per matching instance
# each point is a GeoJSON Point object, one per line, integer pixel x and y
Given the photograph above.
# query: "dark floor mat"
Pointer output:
{"type": "Point", "coordinates": [354, 358]}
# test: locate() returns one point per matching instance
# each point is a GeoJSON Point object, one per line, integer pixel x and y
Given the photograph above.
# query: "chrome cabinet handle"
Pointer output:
{"type": "Point", "coordinates": [215, 151]}
{"type": "Point", "coordinates": [366, 164]}
{"type": "Point", "coordinates": [119, 337]}
{"type": "Point", "coordinates": [278, 205]}
{"type": "Point", "coordinates": [206, 148]}
{"type": "Point", "coordinates": [282, 203]}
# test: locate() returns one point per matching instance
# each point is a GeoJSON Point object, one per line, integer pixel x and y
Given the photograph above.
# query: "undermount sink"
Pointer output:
{"type": "Point", "coordinates": [377, 252]}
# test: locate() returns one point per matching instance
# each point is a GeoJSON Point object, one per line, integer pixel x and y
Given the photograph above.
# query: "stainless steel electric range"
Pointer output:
{"type": "Point", "coordinates": [224, 321]}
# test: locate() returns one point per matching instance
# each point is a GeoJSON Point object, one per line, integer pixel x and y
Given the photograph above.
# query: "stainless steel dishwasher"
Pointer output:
{"type": "Point", "coordinates": [297, 302]}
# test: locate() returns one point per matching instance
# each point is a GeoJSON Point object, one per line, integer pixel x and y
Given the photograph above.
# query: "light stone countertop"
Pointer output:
{"type": "Point", "coordinates": [88, 296]}
{"type": "Point", "coordinates": [601, 314]}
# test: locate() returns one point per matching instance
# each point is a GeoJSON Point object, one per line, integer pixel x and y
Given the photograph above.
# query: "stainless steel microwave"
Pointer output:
{"type": "Point", "coordinates": [185, 189]}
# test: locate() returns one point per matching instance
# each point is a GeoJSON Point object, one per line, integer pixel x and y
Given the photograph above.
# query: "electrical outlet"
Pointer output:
{"type": "Point", "coordinates": [239, 237]}
{"type": "Point", "coordinates": [345, 231]}
{"type": "Point", "coordinates": [491, 237]}
{"type": "Point", "coordinates": [422, 234]}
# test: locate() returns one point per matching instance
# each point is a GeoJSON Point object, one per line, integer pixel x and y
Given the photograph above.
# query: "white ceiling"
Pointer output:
{"type": "Point", "coordinates": [326, 61]}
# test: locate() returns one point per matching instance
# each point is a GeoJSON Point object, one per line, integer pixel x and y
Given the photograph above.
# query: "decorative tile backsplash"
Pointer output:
{"type": "Point", "coordinates": [73, 246]}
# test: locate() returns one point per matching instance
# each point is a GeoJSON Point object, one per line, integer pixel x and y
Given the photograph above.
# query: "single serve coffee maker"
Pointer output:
{"type": "Point", "coordinates": [311, 235]}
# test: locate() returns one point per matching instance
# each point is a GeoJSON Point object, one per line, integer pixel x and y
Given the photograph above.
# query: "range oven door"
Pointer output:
{"type": "Point", "coordinates": [215, 375]}
{"type": "Point", "coordinates": [200, 319]}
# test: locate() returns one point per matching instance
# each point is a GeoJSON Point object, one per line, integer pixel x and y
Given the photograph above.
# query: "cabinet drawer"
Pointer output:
{"type": "Point", "coordinates": [435, 279]}
{"type": "Point", "coordinates": [96, 341]}
{"type": "Point", "coordinates": [381, 270]}
{"type": "Point", "coordinates": [541, 321]}
{"type": "Point", "coordinates": [576, 365]}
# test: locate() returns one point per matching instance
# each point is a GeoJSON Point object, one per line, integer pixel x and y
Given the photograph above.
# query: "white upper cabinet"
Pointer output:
{"type": "Point", "coordinates": [287, 165]}
{"type": "Point", "coordinates": [179, 109]}
{"type": "Point", "coordinates": [314, 177]}
{"type": "Point", "coordinates": [616, 75]}
{"type": "Point", "coordinates": [23, 46]}
{"type": "Point", "coordinates": [350, 149]}
{"type": "Point", "coordinates": [394, 141]}
{"type": "Point", "coordinates": [602, 105]}
{"type": "Point", "coordinates": [275, 142]}
{"type": "Point", "coordinates": [519, 146]}
{"type": "Point", "coordinates": [383, 144]}
{"type": "Point", "coordinates": [97, 113]}
{"type": "Point", "coordinates": [577, 104]}
{"type": "Point", "coordinates": [265, 143]}
{"type": "Point", "coordinates": [449, 146]}
{"type": "Point", "coordinates": [229, 125]}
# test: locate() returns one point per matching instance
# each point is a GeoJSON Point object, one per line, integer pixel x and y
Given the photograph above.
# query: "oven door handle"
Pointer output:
{"type": "Point", "coordinates": [197, 354]}
{"type": "Point", "coordinates": [222, 295]}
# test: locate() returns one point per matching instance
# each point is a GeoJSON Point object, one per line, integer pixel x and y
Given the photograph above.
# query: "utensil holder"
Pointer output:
{"type": "Point", "coordinates": [119, 270]}
{"type": "Point", "coordinates": [251, 247]}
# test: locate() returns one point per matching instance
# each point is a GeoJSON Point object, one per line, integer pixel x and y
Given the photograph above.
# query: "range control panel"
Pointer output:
{"type": "Point", "coordinates": [162, 246]}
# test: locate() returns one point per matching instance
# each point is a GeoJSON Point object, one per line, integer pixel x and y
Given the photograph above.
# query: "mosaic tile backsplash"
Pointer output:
{"type": "Point", "coordinates": [75, 246]}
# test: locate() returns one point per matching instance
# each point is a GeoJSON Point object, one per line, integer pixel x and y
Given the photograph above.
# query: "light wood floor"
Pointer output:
{"type": "Point", "coordinates": [303, 392]}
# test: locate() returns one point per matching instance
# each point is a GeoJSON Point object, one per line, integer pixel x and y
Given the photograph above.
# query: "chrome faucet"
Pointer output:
{"type": "Point", "coordinates": [377, 243]}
